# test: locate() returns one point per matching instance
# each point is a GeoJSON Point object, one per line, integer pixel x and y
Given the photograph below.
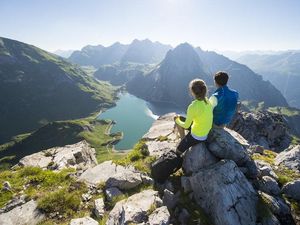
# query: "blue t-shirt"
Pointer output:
{"type": "Point", "coordinates": [225, 105]}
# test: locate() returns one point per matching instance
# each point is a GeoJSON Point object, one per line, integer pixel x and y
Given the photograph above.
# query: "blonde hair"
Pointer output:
{"type": "Point", "coordinates": [199, 89]}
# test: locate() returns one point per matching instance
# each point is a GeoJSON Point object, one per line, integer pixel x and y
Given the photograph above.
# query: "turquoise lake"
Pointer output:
{"type": "Point", "coordinates": [134, 117]}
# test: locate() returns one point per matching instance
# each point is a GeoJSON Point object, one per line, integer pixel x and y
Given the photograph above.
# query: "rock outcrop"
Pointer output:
{"type": "Point", "coordinates": [101, 173]}
{"type": "Point", "coordinates": [263, 128]}
{"type": "Point", "coordinates": [224, 192]}
{"type": "Point", "coordinates": [79, 156]}
{"type": "Point", "coordinates": [292, 190]}
{"type": "Point", "coordinates": [21, 215]}
{"type": "Point", "coordinates": [289, 158]}
{"type": "Point", "coordinates": [135, 209]}
{"type": "Point", "coordinates": [84, 221]}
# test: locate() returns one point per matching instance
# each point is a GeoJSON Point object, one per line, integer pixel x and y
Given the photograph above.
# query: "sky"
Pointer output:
{"type": "Point", "coordinates": [235, 25]}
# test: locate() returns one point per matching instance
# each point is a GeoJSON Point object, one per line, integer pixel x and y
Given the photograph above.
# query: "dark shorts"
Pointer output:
{"type": "Point", "coordinates": [188, 141]}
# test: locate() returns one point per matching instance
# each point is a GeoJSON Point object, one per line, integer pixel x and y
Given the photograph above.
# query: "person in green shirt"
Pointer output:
{"type": "Point", "coordinates": [198, 120]}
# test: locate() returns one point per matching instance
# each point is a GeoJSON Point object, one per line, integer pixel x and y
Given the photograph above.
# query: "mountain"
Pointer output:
{"type": "Point", "coordinates": [120, 73]}
{"type": "Point", "coordinates": [250, 85]}
{"type": "Point", "coordinates": [143, 51]}
{"type": "Point", "coordinates": [37, 87]}
{"type": "Point", "coordinates": [168, 82]}
{"type": "Point", "coordinates": [283, 70]}
{"type": "Point", "coordinates": [98, 55]}
{"type": "Point", "coordinates": [63, 53]}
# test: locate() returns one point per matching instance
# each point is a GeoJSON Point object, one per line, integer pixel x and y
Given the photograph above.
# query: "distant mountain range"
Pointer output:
{"type": "Point", "coordinates": [283, 70]}
{"type": "Point", "coordinates": [168, 82]}
{"type": "Point", "coordinates": [139, 51]}
{"type": "Point", "coordinates": [37, 87]}
{"type": "Point", "coordinates": [63, 53]}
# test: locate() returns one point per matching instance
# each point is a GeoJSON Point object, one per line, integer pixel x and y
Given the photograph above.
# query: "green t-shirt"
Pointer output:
{"type": "Point", "coordinates": [200, 116]}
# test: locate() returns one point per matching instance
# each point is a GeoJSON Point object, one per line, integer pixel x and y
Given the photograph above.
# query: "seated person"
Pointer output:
{"type": "Point", "coordinates": [198, 120]}
{"type": "Point", "coordinates": [224, 100]}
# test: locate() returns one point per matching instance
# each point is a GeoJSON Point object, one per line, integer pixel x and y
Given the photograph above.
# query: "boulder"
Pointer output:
{"type": "Point", "coordinates": [196, 158]}
{"type": "Point", "coordinates": [279, 208]}
{"type": "Point", "coordinates": [16, 201]}
{"type": "Point", "coordinates": [135, 209]}
{"type": "Point", "coordinates": [79, 156]}
{"type": "Point", "coordinates": [265, 169]}
{"type": "Point", "coordinates": [125, 180]}
{"type": "Point", "coordinates": [268, 185]}
{"type": "Point", "coordinates": [84, 221]}
{"type": "Point", "coordinates": [99, 209]}
{"type": "Point", "coordinates": [169, 199]}
{"type": "Point", "coordinates": [185, 184]}
{"type": "Point", "coordinates": [292, 190]}
{"type": "Point", "coordinates": [112, 193]}
{"type": "Point", "coordinates": [289, 158]}
{"type": "Point", "coordinates": [227, 144]}
{"type": "Point", "coordinates": [223, 187]}
{"type": "Point", "coordinates": [22, 215]}
{"type": "Point", "coordinates": [263, 128]}
{"type": "Point", "coordinates": [100, 173]}
{"type": "Point", "coordinates": [160, 216]}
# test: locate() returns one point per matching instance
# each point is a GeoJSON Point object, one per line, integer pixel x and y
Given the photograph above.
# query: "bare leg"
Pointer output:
{"type": "Point", "coordinates": [180, 131]}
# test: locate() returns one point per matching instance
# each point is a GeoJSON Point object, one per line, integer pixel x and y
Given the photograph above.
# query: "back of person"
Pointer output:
{"type": "Point", "coordinates": [224, 100]}
{"type": "Point", "coordinates": [226, 107]}
{"type": "Point", "coordinates": [202, 117]}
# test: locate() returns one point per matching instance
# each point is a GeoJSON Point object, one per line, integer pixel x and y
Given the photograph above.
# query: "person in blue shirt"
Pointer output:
{"type": "Point", "coordinates": [224, 100]}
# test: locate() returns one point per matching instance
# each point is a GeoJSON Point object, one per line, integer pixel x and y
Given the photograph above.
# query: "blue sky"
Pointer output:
{"type": "Point", "coordinates": [211, 24]}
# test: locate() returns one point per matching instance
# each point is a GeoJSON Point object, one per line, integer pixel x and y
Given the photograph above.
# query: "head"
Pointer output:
{"type": "Point", "coordinates": [221, 78]}
{"type": "Point", "coordinates": [198, 89]}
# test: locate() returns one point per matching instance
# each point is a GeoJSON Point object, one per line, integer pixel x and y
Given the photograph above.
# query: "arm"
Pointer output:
{"type": "Point", "coordinates": [188, 121]}
{"type": "Point", "coordinates": [213, 101]}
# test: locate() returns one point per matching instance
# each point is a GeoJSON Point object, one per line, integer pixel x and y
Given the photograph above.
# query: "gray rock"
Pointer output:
{"type": "Point", "coordinates": [265, 169]}
{"type": "Point", "coordinates": [196, 158]}
{"type": "Point", "coordinates": [185, 184]}
{"type": "Point", "coordinates": [256, 149]}
{"type": "Point", "coordinates": [169, 199]}
{"type": "Point", "coordinates": [22, 215]}
{"type": "Point", "coordinates": [99, 209]}
{"type": "Point", "coordinates": [160, 216]}
{"type": "Point", "coordinates": [222, 186]}
{"type": "Point", "coordinates": [112, 193]}
{"type": "Point", "coordinates": [292, 190]}
{"type": "Point", "coordinates": [84, 221]}
{"type": "Point", "coordinates": [289, 158]}
{"type": "Point", "coordinates": [16, 201]}
{"type": "Point", "coordinates": [263, 128]}
{"type": "Point", "coordinates": [86, 197]}
{"type": "Point", "coordinates": [79, 156]}
{"type": "Point", "coordinates": [183, 217]}
{"type": "Point", "coordinates": [125, 180]}
{"type": "Point", "coordinates": [269, 185]}
{"type": "Point", "coordinates": [134, 209]}
{"type": "Point", "coordinates": [223, 144]}
{"type": "Point", "coordinates": [6, 186]}
{"type": "Point", "coordinates": [270, 220]}
{"type": "Point", "coordinates": [276, 204]}
{"type": "Point", "coordinates": [147, 180]}
{"type": "Point", "coordinates": [157, 148]}
{"type": "Point", "coordinates": [101, 172]}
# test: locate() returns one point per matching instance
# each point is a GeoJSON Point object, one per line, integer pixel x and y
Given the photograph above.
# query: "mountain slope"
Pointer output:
{"type": "Point", "coordinates": [169, 81]}
{"type": "Point", "coordinates": [37, 87]}
{"type": "Point", "coordinates": [283, 70]}
{"type": "Point", "coordinates": [143, 51]}
{"type": "Point", "coordinates": [250, 85]}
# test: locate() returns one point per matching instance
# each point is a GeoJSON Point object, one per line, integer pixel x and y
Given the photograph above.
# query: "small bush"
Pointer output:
{"type": "Point", "coordinates": [60, 201]}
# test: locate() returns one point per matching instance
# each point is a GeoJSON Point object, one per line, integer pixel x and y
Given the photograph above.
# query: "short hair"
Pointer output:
{"type": "Point", "coordinates": [221, 78]}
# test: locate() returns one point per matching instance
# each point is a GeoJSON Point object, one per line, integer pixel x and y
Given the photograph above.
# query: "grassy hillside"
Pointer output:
{"type": "Point", "coordinates": [37, 87]}
{"type": "Point", "coordinates": [61, 133]}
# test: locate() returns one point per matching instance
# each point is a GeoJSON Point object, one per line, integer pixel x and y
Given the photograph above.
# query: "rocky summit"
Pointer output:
{"type": "Point", "coordinates": [226, 180]}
